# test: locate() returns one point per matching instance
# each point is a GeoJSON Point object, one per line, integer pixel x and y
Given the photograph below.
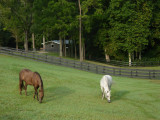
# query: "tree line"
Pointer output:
{"type": "Point", "coordinates": [113, 29]}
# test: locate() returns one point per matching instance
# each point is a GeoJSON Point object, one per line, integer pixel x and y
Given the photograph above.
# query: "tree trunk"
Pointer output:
{"type": "Point", "coordinates": [84, 55]}
{"type": "Point", "coordinates": [60, 46]}
{"type": "Point", "coordinates": [107, 56]}
{"type": "Point", "coordinates": [64, 42]}
{"type": "Point", "coordinates": [72, 46]}
{"type": "Point", "coordinates": [16, 43]}
{"type": "Point", "coordinates": [81, 51]}
{"type": "Point", "coordinates": [75, 52]}
{"type": "Point", "coordinates": [65, 51]}
{"type": "Point", "coordinates": [80, 25]}
{"type": "Point", "coordinates": [140, 56]}
{"type": "Point", "coordinates": [44, 44]}
{"type": "Point", "coordinates": [33, 42]}
{"type": "Point", "coordinates": [130, 60]}
{"type": "Point", "coordinates": [133, 56]}
{"type": "Point", "coordinates": [26, 41]}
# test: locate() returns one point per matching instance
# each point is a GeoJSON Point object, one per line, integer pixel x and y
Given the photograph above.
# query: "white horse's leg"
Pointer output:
{"type": "Point", "coordinates": [102, 92]}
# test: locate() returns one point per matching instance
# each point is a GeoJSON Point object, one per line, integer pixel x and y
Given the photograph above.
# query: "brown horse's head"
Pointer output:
{"type": "Point", "coordinates": [41, 94]}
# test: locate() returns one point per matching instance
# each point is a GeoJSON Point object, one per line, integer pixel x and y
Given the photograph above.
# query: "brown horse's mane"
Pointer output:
{"type": "Point", "coordinates": [40, 80]}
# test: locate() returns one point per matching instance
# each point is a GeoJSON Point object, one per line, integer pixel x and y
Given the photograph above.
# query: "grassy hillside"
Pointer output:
{"type": "Point", "coordinates": [72, 94]}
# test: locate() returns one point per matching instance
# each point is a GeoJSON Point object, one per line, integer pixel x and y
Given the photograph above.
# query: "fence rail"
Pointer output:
{"type": "Point", "coordinates": [99, 69]}
{"type": "Point", "coordinates": [126, 64]}
{"type": "Point", "coordinates": [135, 64]}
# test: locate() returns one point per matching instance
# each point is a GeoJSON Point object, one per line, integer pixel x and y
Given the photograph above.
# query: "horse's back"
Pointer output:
{"type": "Point", "coordinates": [106, 81]}
{"type": "Point", "coordinates": [24, 72]}
{"type": "Point", "coordinates": [26, 75]}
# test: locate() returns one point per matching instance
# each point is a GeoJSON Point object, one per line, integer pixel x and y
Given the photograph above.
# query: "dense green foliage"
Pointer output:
{"type": "Point", "coordinates": [116, 27]}
{"type": "Point", "coordinates": [72, 94]}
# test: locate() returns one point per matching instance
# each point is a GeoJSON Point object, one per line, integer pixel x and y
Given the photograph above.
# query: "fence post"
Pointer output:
{"type": "Point", "coordinates": [46, 58]}
{"type": "Point", "coordinates": [67, 62]}
{"type": "Point", "coordinates": [9, 51]}
{"type": "Point", "coordinates": [96, 69]}
{"type": "Point", "coordinates": [52, 59]}
{"type": "Point", "coordinates": [149, 75]}
{"type": "Point", "coordinates": [131, 73]}
{"type": "Point", "coordinates": [74, 64]}
{"type": "Point", "coordinates": [103, 69]}
{"type": "Point", "coordinates": [153, 74]}
{"type": "Point", "coordinates": [113, 71]}
{"type": "Point", "coordinates": [60, 61]}
{"type": "Point", "coordinates": [88, 66]}
{"type": "Point", "coordinates": [136, 73]}
{"type": "Point", "coordinates": [120, 71]}
{"type": "Point", "coordinates": [81, 65]}
{"type": "Point", "coordinates": [33, 55]}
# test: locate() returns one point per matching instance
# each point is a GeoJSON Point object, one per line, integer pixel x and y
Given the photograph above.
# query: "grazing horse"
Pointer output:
{"type": "Point", "coordinates": [31, 78]}
{"type": "Point", "coordinates": [105, 84]}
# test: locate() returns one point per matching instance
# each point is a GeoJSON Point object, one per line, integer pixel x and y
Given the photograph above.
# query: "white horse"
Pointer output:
{"type": "Point", "coordinates": [105, 84]}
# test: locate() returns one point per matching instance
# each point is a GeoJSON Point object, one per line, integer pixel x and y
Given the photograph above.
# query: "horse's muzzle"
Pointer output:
{"type": "Point", "coordinates": [40, 101]}
{"type": "Point", "coordinates": [109, 101]}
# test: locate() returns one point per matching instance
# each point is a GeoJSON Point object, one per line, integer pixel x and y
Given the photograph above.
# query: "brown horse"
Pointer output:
{"type": "Point", "coordinates": [31, 78]}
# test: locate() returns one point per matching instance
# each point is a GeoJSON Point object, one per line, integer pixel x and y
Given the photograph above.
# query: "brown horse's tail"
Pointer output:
{"type": "Point", "coordinates": [21, 85]}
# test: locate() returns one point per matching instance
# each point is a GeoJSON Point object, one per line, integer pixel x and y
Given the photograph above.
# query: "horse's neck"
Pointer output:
{"type": "Point", "coordinates": [107, 88]}
{"type": "Point", "coordinates": [106, 84]}
{"type": "Point", "coordinates": [41, 84]}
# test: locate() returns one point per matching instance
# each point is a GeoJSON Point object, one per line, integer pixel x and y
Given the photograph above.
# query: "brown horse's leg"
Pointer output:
{"type": "Point", "coordinates": [20, 86]}
{"type": "Point", "coordinates": [37, 96]}
{"type": "Point", "coordinates": [26, 89]}
{"type": "Point", "coordinates": [36, 93]}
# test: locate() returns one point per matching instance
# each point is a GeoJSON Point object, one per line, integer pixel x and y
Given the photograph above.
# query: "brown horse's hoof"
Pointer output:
{"type": "Point", "coordinates": [40, 101]}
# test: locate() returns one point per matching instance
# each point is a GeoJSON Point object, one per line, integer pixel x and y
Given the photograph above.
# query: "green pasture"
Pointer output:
{"type": "Point", "coordinates": [71, 94]}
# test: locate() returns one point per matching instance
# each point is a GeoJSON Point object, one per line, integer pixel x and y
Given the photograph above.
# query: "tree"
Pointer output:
{"type": "Point", "coordinates": [22, 11]}
{"type": "Point", "coordinates": [93, 12]}
{"type": "Point", "coordinates": [155, 26]}
{"type": "Point", "coordinates": [58, 17]}
{"type": "Point", "coordinates": [80, 28]}
{"type": "Point", "coordinates": [10, 22]}
{"type": "Point", "coordinates": [129, 25]}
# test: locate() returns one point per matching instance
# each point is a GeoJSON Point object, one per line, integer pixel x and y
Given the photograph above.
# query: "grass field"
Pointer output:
{"type": "Point", "coordinates": [72, 94]}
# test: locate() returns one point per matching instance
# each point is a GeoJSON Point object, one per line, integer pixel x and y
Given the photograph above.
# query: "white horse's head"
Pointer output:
{"type": "Point", "coordinates": [108, 95]}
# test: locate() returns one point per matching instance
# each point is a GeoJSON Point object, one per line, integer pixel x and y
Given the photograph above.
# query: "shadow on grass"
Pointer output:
{"type": "Point", "coordinates": [118, 95]}
{"type": "Point", "coordinates": [54, 93]}
{"type": "Point", "coordinates": [51, 93]}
